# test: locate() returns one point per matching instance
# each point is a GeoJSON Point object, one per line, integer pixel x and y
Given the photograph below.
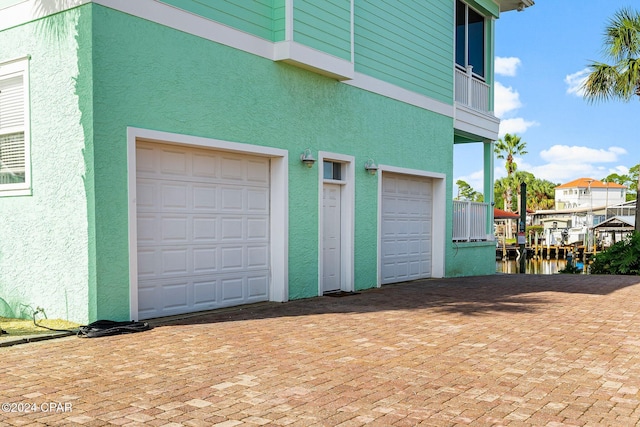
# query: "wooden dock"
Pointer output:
{"type": "Point", "coordinates": [547, 252]}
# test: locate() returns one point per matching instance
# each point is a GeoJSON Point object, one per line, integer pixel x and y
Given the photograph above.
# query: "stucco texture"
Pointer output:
{"type": "Point", "coordinates": [44, 236]}
{"type": "Point", "coordinates": [152, 77]}
{"type": "Point", "coordinates": [112, 71]}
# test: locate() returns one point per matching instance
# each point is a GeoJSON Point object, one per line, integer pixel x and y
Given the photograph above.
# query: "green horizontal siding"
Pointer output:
{"type": "Point", "coordinates": [254, 17]}
{"type": "Point", "coordinates": [279, 20]}
{"type": "Point", "coordinates": [324, 25]}
{"type": "Point", "coordinates": [410, 46]}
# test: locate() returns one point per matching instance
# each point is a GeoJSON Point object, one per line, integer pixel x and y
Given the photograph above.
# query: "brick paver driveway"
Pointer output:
{"type": "Point", "coordinates": [499, 350]}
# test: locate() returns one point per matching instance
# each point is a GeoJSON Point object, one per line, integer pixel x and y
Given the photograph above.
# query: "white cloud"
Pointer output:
{"type": "Point", "coordinates": [506, 100]}
{"type": "Point", "coordinates": [517, 126]}
{"type": "Point", "coordinates": [575, 82]}
{"type": "Point", "coordinates": [566, 154]}
{"type": "Point", "coordinates": [507, 66]}
{"type": "Point", "coordinates": [565, 163]}
{"type": "Point", "coordinates": [474, 179]}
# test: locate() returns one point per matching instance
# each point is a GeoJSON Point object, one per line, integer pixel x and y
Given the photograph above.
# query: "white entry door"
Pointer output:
{"type": "Point", "coordinates": [202, 229]}
{"type": "Point", "coordinates": [407, 211]}
{"type": "Point", "coordinates": [331, 240]}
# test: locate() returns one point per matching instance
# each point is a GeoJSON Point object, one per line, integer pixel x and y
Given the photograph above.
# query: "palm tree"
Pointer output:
{"type": "Point", "coordinates": [506, 149]}
{"type": "Point", "coordinates": [541, 194]}
{"type": "Point", "coordinates": [622, 79]}
{"type": "Point", "coordinates": [622, 44]}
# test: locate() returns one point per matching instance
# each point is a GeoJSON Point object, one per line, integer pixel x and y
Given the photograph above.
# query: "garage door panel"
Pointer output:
{"type": "Point", "coordinates": [174, 261]}
{"type": "Point", "coordinates": [146, 225]}
{"type": "Point", "coordinates": [147, 266]}
{"type": "Point", "coordinates": [232, 228]}
{"type": "Point", "coordinates": [203, 229]}
{"type": "Point", "coordinates": [173, 162]}
{"type": "Point", "coordinates": [258, 171]}
{"type": "Point", "coordinates": [204, 165]}
{"type": "Point", "coordinates": [147, 195]}
{"type": "Point", "coordinates": [174, 195]}
{"type": "Point", "coordinates": [258, 256]}
{"type": "Point", "coordinates": [204, 197]}
{"type": "Point", "coordinates": [174, 295]}
{"type": "Point", "coordinates": [414, 248]}
{"type": "Point", "coordinates": [257, 228]}
{"type": "Point", "coordinates": [258, 287]}
{"type": "Point", "coordinates": [232, 168]}
{"type": "Point", "coordinates": [405, 228]}
{"type": "Point", "coordinates": [258, 200]}
{"type": "Point", "coordinates": [232, 289]}
{"type": "Point", "coordinates": [205, 260]}
{"type": "Point", "coordinates": [232, 199]}
{"type": "Point", "coordinates": [173, 229]}
{"type": "Point", "coordinates": [145, 160]}
{"type": "Point", "coordinates": [231, 258]}
{"type": "Point", "coordinates": [204, 292]}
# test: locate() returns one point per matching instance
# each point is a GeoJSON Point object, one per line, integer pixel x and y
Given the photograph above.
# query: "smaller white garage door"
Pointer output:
{"type": "Point", "coordinates": [203, 229]}
{"type": "Point", "coordinates": [407, 210]}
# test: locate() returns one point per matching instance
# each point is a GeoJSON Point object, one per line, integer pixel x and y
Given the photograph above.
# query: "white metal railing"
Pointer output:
{"type": "Point", "coordinates": [469, 221]}
{"type": "Point", "coordinates": [471, 91]}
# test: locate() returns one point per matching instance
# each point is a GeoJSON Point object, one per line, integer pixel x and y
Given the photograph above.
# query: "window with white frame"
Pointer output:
{"type": "Point", "coordinates": [470, 39]}
{"type": "Point", "coordinates": [14, 127]}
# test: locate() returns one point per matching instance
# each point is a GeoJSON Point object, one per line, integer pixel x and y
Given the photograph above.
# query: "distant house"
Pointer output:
{"type": "Point", "coordinates": [588, 192]}
{"type": "Point", "coordinates": [579, 206]}
{"type": "Point", "coordinates": [160, 157]}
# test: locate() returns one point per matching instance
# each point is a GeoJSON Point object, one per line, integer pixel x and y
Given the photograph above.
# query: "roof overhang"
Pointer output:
{"type": "Point", "coordinates": [519, 5]}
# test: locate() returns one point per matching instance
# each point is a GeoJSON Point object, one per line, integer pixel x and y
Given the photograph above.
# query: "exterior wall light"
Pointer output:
{"type": "Point", "coordinates": [371, 167]}
{"type": "Point", "coordinates": [307, 158]}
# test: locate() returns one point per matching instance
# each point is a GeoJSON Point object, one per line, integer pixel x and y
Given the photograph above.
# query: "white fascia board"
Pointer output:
{"type": "Point", "coordinates": [30, 10]}
{"type": "Point", "coordinates": [392, 91]}
{"type": "Point", "coordinates": [475, 122]}
{"type": "Point", "coordinates": [289, 51]}
{"type": "Point", "coordinates": [190, 23]}
{"type": "Point", "coordinates": [314, 60]}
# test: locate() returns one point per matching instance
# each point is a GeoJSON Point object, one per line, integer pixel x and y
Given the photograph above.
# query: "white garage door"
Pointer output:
{"type": "Point", "coordinates": [203, 229]}
{"type": "Point", "coordinates": [407, 209]}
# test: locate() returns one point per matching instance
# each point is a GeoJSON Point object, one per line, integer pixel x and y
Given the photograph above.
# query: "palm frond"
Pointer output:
{"type": "Point", "coordinates": [601, 83]}
{"type": "Point", "coordinates": [622, 35]}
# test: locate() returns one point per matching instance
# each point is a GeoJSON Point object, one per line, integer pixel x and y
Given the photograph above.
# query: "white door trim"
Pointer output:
{"type": "Point", "coordinates": [279, 207]}
{"type": "Point", "coordinates": [347, 219]}
{"type": "Point", "coordinates": [438, 221]}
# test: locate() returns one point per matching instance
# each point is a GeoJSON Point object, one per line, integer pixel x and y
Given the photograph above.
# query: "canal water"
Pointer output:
{"type": "Point", "coordinates": [534, 266]}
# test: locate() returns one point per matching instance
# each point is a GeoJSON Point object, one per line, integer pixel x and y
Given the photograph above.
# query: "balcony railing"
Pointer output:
{"type": "Point", "coordinates": [471, 91]}
{"type": "Point", "coordinates": [470, 221]}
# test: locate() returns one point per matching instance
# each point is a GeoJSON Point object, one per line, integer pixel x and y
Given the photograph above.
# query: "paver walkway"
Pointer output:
{"type": "Point", "coordinates": [499, 350]}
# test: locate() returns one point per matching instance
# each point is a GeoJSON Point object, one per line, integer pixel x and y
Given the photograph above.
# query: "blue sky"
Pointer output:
{"type": "Point", "coordinates": [541, 57]}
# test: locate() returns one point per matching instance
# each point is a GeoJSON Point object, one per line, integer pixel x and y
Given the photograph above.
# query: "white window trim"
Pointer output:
{"type": "Point", "coordinates": [347, 203]}
{"type": "Point", "coordinates": [279, 214]}
{"type": "Point", "coordinates": [20, 67]}
{"type": "Point", "coordinates": [466, 43]}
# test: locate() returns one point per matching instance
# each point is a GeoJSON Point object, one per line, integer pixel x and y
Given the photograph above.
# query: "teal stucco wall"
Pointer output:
{"type": "Point", "coordinates": [152, 77]}
{"type": "Point", "coordinates": [66, 247]}
{"type": "Point", "coordinates": [44, 237]}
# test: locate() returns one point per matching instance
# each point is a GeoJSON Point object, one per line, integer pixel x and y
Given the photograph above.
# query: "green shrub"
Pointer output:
{"type": "Point", "coordinates": [621, 258]}
{"type": "Point", "coordinates": [570, 269]}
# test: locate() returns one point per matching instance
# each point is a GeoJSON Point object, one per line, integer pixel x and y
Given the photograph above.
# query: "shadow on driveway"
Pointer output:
{"type": "Point", "coordinates": [467, 296]}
